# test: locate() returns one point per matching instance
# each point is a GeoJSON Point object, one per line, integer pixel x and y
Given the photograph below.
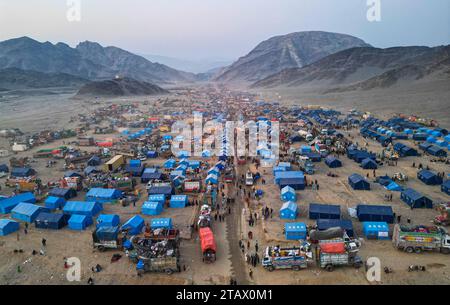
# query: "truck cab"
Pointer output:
{"type": "Point", "coordinates": [249, 178]}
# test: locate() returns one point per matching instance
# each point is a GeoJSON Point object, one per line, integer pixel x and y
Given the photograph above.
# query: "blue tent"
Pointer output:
{"type": "Point", "coordinates": [288, 194]}
{"type": "Point", "coordinates": [4, 168]}
{"type": "Point", "coordinates": [8, 226]}
{"type": "Point", "coordinates": [134, 171]}
{"type": "Point", "coordinates": [333, 162]}
{"type": "Point", "coordinates": [108, 220]}
{"type": "Point", "coordinates": [384, 180]}
{"type": "Point", "coordinates": [152, 208]}
{"type": "Point", "coordinates": [161, 223]}
{"type": "Point", "coordinates": [152, 154]}
{"type": "Point", "coordinates": [90, 170]}
{"type": "Point", "coordinates": [288, 175]}
{"type": "Point", "coordinates": [88, 208]}
{"type": "Point", "coordinates": [54, 203]}
{"type": "Point", "coordinates": [72, 174]}
{"type": "Point", "coordinates": [64, 193]}
{"type": "Point", "coordinates": [94, 161]}
{"type": "Point", "coordinates": [171, 163]}
{"type": "Point", "coordinates": [166, 190]}
{"type": "Point", "coordinates": [178, 201]}
{"type": "Point", "coordinates": [376, 230]}
{"type": "Point", "coordinates": [436, 151]}
{"type": "Point", "coordinates": [429, 178]}
{"type": "Point", "coordinates": [26, 211]}
{"type": "Point", "coordinates": [285, 165]}
{"type": "Point", "coordinates": [295, 231]}
{"type": "Point", "coordinates": [295, 183]}
{"type": "Point", "coordinates": [344, 224]}
{"type": "Point", "coordinates": [278, 169]}
{"type": "Point", "coordinates": [394, 187]}
{"type": "Point", "coordinates": [103, 195]}
{"type": "Point", "coordinates": [151, 174]}
{"type": "Point", "coordinates": [445, 187]}
{"type": "Point", "coordinates": [6, 205]}
{"type": "Point", "coordinates": [211, 179]}
{"type": "Point", "coordinates": [50, 221]}
{"type": "Point", "coordinates": [416, 200]}
{"type": "Point", "coordinates": [357, 182]}
{"type": "Point", "coordinates": [375, 213]}
{"type": "Point", "coordinates": [369, 164]}
{"type": "Point", "coordinates": [160, 198]}
{"type": "Point", "coordinates": [289, 210]}
{"type": "Point", "coordinates": [22, 172]}
{"type": "Point", "coordinates": [324, 211]}
{"type": "Point", "coordinates": [79, 222]}
{"type": "Point", "coordinates": [134, 225]}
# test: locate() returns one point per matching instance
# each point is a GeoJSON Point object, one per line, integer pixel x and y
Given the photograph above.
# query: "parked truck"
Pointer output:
{"type": "Point", "coordinates": [106, 238]}
{"type": "Point", "coordinates": [249, 178]}
{"type": "Point", "coordinates": [421, 238]}
{"type": "Point", "coordinates": [294, 258]}
{"type": "Point", "coordinates": [306, 165]}
{"type": "Point", "coordinates": [154, 255]}
{"type": "Point", "coordinates": [336, 252]}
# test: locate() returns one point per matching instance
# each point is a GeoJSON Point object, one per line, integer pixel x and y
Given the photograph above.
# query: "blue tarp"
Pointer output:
{"type": "Point", "coordinates": [107, 233]}
{"type": "Point", "coordinates": [134, 225]}
{"type": "Point", "coordinates": [375, 213]}
{"type": "Point", "coordinates": [26, 211]}
{"type": "Point", "coordinates": [6, 205]}
{"type": "Point", "coordinates": [324, 211]}
{"type": "Point", "coordinates": [22, 172]}
{"type": "Point", "coordinates": [165, 223]}
{"type": "Point", "coordinates": [295, 183]}
{"type": "Point", "coordinates": [82, 208]}
{"type": "Point", "coordinates": [178, 201]}
{"type": "Point", "coordinates": [8, 226]}
{"type": "Point", "coordinates": [108, 220]}
{"type": "Point", "coordinates": [333, 162]}
{"type": "Point", "coordinates": [103, 195]}
{"type": "Point", "coordinates": [152, 208]}
{"type": "Point", "coordinates": [289, 210]}
{"type": "Point", "coordinates": [445, 187]}
{"type": "Point", "coordinates": [295, 231]}
{"type": "Point", "coordinates": [64, 193]}
{"type": "Point", "coordinates": [376, 230]}
{"type": "Point", "coordinates": [54, 203]}
{"type": "Point", "coordinates": [79, 222]}
{"type": "Point", "coordinates": [50, 221]}
{"type": "Point", "coordinates": [394, 187]}
{"type": "Point", "coordinates": [347, 225]}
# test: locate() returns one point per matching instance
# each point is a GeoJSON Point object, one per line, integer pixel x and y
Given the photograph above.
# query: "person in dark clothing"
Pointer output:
{"type": "Point", "coordinates": [44, 242]}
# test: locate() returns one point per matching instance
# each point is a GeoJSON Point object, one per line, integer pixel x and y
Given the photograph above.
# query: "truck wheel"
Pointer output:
{"type": "Point", "coordinates": [270, 268]}
{"type": "Point", "coordinates": [445, 250]}
{"type": "Point", "coordinates": [169, 271]}
{"type": "Point", "coordinates": [296, 268]}
{"type": "Point", "coordinates": [101, 249]}
{"type": "Point", "coordinates": [410, 249]}
{"type": "Point", "coordinates": [329, 268]}
{"type": "Point", "coordinates": [418, 250]}
{"type": "Point", "coordinates": [357, 265]}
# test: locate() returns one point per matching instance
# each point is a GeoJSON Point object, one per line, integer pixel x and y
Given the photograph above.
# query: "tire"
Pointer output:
{"type": "Point", "coordinates": [296, 268]}
{"type": "Point", "coordinates": [445, 251]}
{"type": "Point", "coordinates": [418, 250]}
{"type": "Point", "coordinates": [329, 268]}
{"type": "Point", "coordinates": [270, 268]}
{"type": "Point", "coordinates": [101, 249]}
{"type": "Point", "coordinates": [409, 250]}
{"type": "Point", "coordinates": [168, 271]}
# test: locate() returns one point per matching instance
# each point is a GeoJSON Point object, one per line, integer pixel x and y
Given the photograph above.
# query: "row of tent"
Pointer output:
{"type": "Point", "coordinates": [433, 149]}
{"type": "Point", "coordinates": [155, 203]}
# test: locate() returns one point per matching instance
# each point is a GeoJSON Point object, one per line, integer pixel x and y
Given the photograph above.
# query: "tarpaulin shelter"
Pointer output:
{"type": "Point", "coordinates": [63, 193]}
{"type": "Point", "coordinates": [26, 211]}
{"type": "Point", "coordinates": [429, 178]}
{"type": "Point", "coordinates": [445, 187]}
{"type": "Point", "coordinates": [288, 194]}
{"type": "Point", "coordinates": [103, 195]}
{"type": "Point", "coordinates": [324, 211]}
{"type": "Point", "coordinates": [211, 179]}
{"type": "Point", "coordinates": [151, 174]}
{"type": "Point", "coordinates": [8, 226]}
{"type": "Point", "coordinates": [393, 186]}
{"type": "Point", "coordinates": [152, 208]}
{"type": "Point", "coordinates": [166, 190]}
{"type": "Point", "coordinates": [375, 213]}
{"type": "Point", "coordinates": [107, 220]}
{"type": "Point", "coordinates": [161, 223]}
{"type": "Point", "coordinates": [295, 183]}
{"type": "Point", "coordinates": [415, 199]}
{"type": "Point", "coordinates": [157, 198]}
{"type": "Point", "coordinates": [79, 222]}
{"type": "Point", "coordinates": [288, 175]}
{"type": "Point", "coordinates": [376, 230]}
{"type": "Point", "coordinates": [107, 233]}
{"type": "Point", "coordinates": [436, 151]}
{"type": "Point", "coordinates": [357, 182]}
{"type": "Point", "coordinates": [344, 224]}
{"type": "Point", "coordinates": [178, 201]}
{"type": "Point", "coordinates": [384, 180]}
{"type": "Point", "coordinates": [333, 162]}
{"type": "Point", "coordinates": [171, 163]}
{"type": "Point", "coordinates": [94, 161]}
{"type": "Point", "coordinates": [295, 231]}
{"type": "Point", "coordinates": [82, 208]}
{"type": "Point", "coordinates": [22, 172]}
{"type": "Point", "coordinates": [6, 205]}
{"type": "Point", "coordinates": [51, 221]}
{"type": "Point", "coordinates": [369, 164]}
{"type": "Point", "coordinates": [134, 225]}
{"type": "Point", "coordinates": [54, 203]}
{"type": "Point", "coordinates": [289, 210]}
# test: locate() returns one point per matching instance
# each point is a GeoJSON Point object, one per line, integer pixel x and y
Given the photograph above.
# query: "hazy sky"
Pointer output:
{"type": "Point", "coordinates": [221, 29]}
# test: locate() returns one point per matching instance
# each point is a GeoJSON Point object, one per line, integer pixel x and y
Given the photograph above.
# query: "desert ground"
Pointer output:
{"type": "Point", "coordinates": [45, 110]}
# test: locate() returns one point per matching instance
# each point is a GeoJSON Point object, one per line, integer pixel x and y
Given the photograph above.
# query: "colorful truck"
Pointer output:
{"type": "Point", "coordinates": [336, 252]}
{"type": "Point", "coordinates": [208, 244]}
{"type": "Point", "coordinates": [421, 238]}
{"type": "Point", "coordinates": [294, 258]}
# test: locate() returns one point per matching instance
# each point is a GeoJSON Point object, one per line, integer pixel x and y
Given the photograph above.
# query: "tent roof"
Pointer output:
{"type": "Point", "coordinates": [26, 208]}
{"type": "Point", "coordinates": [295, 227]}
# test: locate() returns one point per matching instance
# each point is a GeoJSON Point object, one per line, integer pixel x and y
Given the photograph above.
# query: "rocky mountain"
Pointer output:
{"type": "Point", "coordinates": [294, 50]}
{"type": "Point", "coordinates": [365, 68]}
{"type": "Point", "coordinates": [88, 60]}
{"type": "Point", "coordinates": [14, 78]}
{"type": "Point", "coordinates": [119, 87]}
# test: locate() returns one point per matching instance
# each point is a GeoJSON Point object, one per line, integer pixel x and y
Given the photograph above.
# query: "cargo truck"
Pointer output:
{"type": "Point", "coordinates": [336, 252]}
{"type": "Point", "coordinates": [421, 238]}
{"type": "Point", "coordinates": [106, 238]}
{"type": "Point", "coordinates": [294, 258]}
{"type": "Point", "coordinates": [155, 255]}
{"type": "Point", "coordinates": [115, 163]}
